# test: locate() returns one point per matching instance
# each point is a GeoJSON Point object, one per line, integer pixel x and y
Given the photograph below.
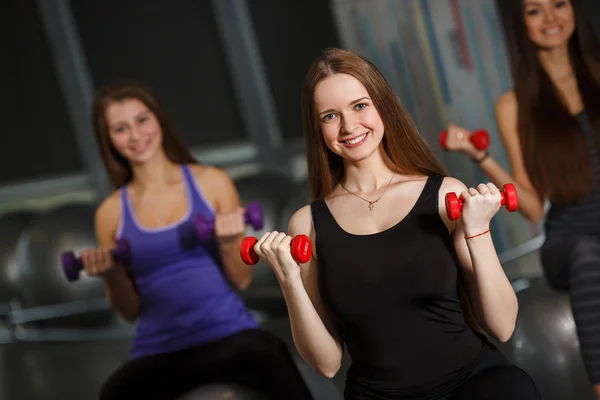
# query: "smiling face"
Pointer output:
{"type": "Point", "coordinates": [550, 23]}
{"type": "Point", "coordinates": [134, 130]}
{"type": "Point", "coordinates": [350, 124]}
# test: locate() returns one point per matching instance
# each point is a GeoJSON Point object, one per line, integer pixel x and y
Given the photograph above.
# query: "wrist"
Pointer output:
{"type": "Point", "coordinates": [479, 156]}
{"type": "Point", "coordinates": [113, 275]}
{"type": "Point", "coordinates": [476, 232]}
{"type": "Point", "coordinates": [290, 283]}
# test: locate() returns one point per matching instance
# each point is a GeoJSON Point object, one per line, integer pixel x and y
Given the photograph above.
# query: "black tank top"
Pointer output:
{"type": "Point", "coordinates": [394, 297]}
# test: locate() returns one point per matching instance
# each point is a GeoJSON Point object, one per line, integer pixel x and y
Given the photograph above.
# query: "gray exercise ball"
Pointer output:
{"type": "Point", "coordinates": [42, 281]}
{"type": "Point", "coordinates": [271, 191]}
{"type": "Point", "coordinates": [222, 391]}
{"type": "Point", "coordinates": [11, 226]}
{"type": "Point", "coordinates": [545, 344]}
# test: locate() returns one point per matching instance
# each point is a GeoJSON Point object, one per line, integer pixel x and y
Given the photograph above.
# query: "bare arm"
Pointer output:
{"type": "Point", "coordinates": [316, 337]}
{"type": "Point", "coordinates": [488, 288]}
{"type": "Point", "coordinates": [530, 203]}
{"type": "Point", "coordinates": [224, 196]}
{"type": "Point", "coordinates": [120, 290]}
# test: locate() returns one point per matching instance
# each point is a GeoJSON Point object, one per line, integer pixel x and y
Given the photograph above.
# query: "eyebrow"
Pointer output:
{"type": "Point", "coordinates": [118, 123]}
{"type": "Point", "coordinates": [350, 104]}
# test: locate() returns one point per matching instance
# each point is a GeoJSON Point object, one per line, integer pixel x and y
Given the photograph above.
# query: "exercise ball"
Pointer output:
{"type": "Point", "coordinates": [41, 278]}
{"type": "Point", "coordinates": [271, 191]}
{"type": "Point", "coordinates": [296, 199]}
{"type": "Point", "coordinates": [11, 226]}
{"type": "Point", "coordinates": [545, 343]}
{"type": "Point", "coordinates": [222, 392]}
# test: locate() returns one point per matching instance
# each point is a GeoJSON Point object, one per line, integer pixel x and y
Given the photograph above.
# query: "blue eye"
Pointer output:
{"type": "Point", "coordinates": [360, 106]}
{"type": "Point", "coordinates": [328, 117]}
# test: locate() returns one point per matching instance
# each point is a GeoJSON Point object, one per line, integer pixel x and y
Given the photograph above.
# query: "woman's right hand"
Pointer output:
{"type": "Point", "coordinates": [274, 248]}
{"type": "Point", "coordinates": [458, 140]}
{"type": "Point", "coordinates": [97, 262]}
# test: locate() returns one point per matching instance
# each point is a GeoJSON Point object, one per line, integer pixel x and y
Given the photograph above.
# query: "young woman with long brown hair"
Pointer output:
{"type": "Point", "coordinates": [192, 328]}
{"type": "Point", "coordinates": [550, 126]}
{"type": "Point", "coordinates": [387, 261]}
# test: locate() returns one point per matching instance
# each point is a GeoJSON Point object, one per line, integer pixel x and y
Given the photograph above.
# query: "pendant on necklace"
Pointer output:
{"type": "Point", "coordinates": [371, 205]}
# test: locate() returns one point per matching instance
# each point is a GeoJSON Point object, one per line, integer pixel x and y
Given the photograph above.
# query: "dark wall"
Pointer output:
{"type": "Point", "coordinates": [173, 46]}
{"type": "Point", "coordinates": [36, 138]}
{"type": "Point", "coordinates": [292, 34]}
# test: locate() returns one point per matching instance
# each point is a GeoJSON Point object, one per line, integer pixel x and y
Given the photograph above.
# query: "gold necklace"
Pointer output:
{"type": "Point", "coordinates": [371, 203]}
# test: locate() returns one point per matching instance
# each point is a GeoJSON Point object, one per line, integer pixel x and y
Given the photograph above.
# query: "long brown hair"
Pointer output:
{"type": "Point", "coordinates": [555, 152]}
{"type": "Point", "coordinates": [119, 169]}
{"type": "Point", "coordinates": [405, 151]}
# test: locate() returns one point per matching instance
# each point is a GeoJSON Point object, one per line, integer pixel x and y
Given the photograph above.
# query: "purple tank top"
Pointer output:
{"type": "Point", "coordinates": [186, 300]}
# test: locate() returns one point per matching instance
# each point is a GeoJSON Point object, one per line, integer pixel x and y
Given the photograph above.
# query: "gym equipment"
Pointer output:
{"type": "Point", "coordinates": [509, 199]}
{"type": "Point", "coordinates": [301, 249]}
{"type": "Point", "coordinates": [252, 216]}
{"type": "Point", "coordinates": [11, 226]}
{"type": "Point", "coordinates": [72, 265]}
{"type": "Point", "coordinates": [222, 391]}
{"type": "Point", "coordinates": [480, 139]}
{"type": "Point", "coordinates": [545, 342]}
{"type": "Point", "coordinates": [41, 277]}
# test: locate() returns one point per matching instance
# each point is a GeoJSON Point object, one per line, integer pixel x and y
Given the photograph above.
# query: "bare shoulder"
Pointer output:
{"type": "Point", "coordinates": [301, 222]}
{"type": "Point", "coordinates": [508, 101]}
{"type": "Point", "coordinates": [450, 184]}
{"type": "Point", "coordinates": [209, 174]}
{"type": "Point", "coordinates": [108, 217]}
{"type": "Point", "coordinates": [216, 186]}
{"type": "Point", "coordinates": [506, 107]}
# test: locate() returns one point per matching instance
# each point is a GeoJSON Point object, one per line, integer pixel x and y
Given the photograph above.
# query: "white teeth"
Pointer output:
{"type": "Point", "coordinates": [552, 31]}
{"type": "Point", "coordinates": [356, 140]}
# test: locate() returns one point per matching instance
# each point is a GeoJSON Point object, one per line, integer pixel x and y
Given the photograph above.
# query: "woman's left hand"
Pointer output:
{"type": "Point", "coordinates": [229, 226]}
{"type": "Point", "coordinates": [479, 206]}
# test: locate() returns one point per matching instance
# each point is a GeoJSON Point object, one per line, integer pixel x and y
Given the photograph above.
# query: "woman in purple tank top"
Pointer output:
{"type": "Point", "coordinates": [192, 328]}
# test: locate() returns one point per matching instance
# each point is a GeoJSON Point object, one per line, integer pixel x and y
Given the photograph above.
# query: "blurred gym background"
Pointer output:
{"type": "Point", "coordinates": [230, 73]}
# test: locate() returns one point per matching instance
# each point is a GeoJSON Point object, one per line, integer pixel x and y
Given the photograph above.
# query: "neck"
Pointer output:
{"type": "Point", "coordinates": [556, 62]}
{"type": "Point", "coordinates": [156, 172]}
{"type": "Point", "coordinates": [368, 175]}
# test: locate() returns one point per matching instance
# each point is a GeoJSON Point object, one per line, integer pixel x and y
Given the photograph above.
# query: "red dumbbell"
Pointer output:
{"type": "Point", "coordinates": [509, 199]}
{"type": "Point", "coordinates": [479, 138]}
{"type": "Point", "coordinates": [301, 249]}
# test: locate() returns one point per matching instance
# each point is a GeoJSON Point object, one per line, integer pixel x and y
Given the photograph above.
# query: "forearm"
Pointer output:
{"type": "Point", "coordinates": [313, 340]}
{"type": "Point", "coordinates": [497, 305]}
{"type": "Point", "coordinates": [530, 205]}
{"type": "Point", "coordinates": [236, 271]}
{"type": "Point", "coordinates": [121, 295]}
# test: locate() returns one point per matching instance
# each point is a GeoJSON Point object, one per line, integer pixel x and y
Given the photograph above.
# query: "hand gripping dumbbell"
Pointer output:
{"type": "Point", "coordinates": [73, 265]}
{"type": "Point", "coordinates": [253, 216]}
{"type": "Point", "coordinates": [480, 139]}
{"type": "Point", "coordinates": [301, 248]}
{"type": "Point", "coordinates": [509, 200]}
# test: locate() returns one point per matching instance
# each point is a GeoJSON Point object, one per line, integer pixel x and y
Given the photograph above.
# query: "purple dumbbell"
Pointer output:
{"type": "Point", "coordinates": [73, 265]}
{"type": "Point", "coordinates": [253, 216]}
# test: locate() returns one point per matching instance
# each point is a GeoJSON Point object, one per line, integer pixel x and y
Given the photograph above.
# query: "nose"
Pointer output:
{"type": "Point", "coordinates": [134, 133]}
{"type": "Point", "coordinates": [550, 16]}
{"type": "Point", "coordinates": [349, 124]}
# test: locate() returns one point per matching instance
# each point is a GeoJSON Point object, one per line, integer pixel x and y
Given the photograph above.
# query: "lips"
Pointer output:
{"type": "Point", "coordinates": [356, 140]}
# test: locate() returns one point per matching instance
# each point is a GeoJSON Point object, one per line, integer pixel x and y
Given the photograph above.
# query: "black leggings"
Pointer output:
{"type": "Point", "coordinates": [573, 264]}
{"type": "Point", "coordinates": [494, 378]}
{"type": "Point", "coordinates": [253, 358]}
